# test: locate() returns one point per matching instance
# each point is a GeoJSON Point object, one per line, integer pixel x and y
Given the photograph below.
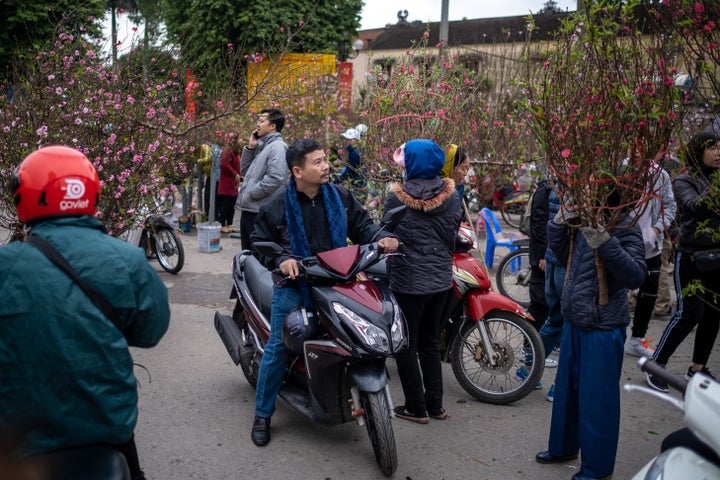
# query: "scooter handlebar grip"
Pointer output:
{"type": "Point", "coordinates": [651, 367]}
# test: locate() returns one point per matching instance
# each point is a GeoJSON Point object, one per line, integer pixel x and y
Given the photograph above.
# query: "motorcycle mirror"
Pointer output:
{"type": "Point", "coordinates": [268, 249]}
{"type": "Point", "coordinates": [390, 219]}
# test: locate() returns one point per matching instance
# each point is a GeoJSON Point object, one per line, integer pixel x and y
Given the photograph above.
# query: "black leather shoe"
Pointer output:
{"type": "Point", "coordinates": [261, 431]}
{"type": "Point", "coordinates": [545, 457]}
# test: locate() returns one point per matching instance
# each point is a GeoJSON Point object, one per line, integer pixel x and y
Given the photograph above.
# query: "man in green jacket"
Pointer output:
{"type": "Point", "coordinates": [66, 374]}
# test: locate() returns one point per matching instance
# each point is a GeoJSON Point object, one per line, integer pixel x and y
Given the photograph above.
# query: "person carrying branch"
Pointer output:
{"type": "Point", "coordinates": [586, 407]}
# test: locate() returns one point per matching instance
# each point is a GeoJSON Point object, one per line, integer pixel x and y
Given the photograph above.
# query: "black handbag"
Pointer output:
{"type": "Point", "coordinates": [706, 260]}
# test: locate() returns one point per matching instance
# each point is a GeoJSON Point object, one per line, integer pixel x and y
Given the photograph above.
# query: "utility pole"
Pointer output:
{"type": "Point", "coordinates": [444, 27]}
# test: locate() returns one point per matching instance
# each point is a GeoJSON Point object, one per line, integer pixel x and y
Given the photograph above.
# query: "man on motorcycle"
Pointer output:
{"type": "Point", "coordinates": [308, 216]}
{"type": "Point", "coordinates": [66, 374]}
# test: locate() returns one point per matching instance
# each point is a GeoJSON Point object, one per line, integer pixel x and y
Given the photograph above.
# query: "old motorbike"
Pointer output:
{"type": "Point", "coordinates": [496, 355]}
{"type": "Point", "coordinates": [160, 239]}
{"type": "Point", "coordinates": [337, 375]}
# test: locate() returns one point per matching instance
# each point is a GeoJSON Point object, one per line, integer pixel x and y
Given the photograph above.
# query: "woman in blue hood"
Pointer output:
{"type": "Point", "coordinates": [422, 277]}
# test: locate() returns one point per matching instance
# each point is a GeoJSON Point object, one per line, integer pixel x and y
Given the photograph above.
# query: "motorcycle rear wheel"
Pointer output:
{"type": "Point", "coordinates": [513, 276]}
{"type": "Point", "coordinates": [380, 431]}
{"type": "Point", "coordinates": [169, 249]}
{"type": "Point", "coordinates": [517, 346]}
{"type": "Point", "coordinates": [250, 369]}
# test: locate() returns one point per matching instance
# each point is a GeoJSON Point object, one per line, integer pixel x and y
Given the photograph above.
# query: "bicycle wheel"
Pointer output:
{"type": "Point", "coordinates": [513, 276]}
{"type": "Point", "coordinates": [513, 208]}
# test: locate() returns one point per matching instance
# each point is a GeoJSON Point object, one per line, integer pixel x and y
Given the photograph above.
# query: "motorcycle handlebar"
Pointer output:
{"type": "Point", "coordinates": [651, 367]}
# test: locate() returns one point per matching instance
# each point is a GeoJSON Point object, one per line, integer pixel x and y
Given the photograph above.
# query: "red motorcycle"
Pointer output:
{"type": "Point", "coordinates": [496, 355]}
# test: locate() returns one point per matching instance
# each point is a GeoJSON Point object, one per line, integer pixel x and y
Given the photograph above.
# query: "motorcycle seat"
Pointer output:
{"type": "Point", "coordinates": [260, 283]}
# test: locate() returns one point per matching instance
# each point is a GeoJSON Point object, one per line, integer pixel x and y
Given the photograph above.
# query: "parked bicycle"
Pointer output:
{"type": "Point", "coordinates": [513, 274]}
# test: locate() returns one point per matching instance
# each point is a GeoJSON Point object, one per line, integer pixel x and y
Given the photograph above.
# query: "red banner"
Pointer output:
{"type": "Point", "coordinates": [345, 79]}
{"type": "Point", "coordinates": [191, 86]}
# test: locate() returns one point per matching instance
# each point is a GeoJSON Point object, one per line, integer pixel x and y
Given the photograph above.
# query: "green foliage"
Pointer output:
{"type": "Point", "coordinates": [27, 25]}
{"type": "Point", "coordinates": [204, 30]}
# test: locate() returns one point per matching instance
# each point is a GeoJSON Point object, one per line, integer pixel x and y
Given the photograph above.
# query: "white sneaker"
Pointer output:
{"type": "Point", "coordinates": [639, 347]}
{"type": "Point", "coordinates": [550, 363]}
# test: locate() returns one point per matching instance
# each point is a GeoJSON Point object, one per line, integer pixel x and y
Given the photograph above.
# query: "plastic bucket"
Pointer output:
{"type": "Point", "coordinates": [184, 224]}
{"type": "Point", "coordinates": [209, 237]}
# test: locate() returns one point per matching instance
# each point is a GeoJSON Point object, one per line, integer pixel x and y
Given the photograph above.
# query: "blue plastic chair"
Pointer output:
{"type": "Point", "coordinates": [495, 236]}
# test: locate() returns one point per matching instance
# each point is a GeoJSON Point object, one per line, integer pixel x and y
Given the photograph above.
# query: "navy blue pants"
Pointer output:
{"type": "Point", "coordinates": [586, 408]}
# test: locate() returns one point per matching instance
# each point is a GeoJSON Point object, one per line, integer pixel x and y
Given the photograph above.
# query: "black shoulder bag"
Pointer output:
{"type": "Point", "coordinates": [56, 257]}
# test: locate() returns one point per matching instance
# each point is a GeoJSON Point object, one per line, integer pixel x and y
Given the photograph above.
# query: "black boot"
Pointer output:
{"type": "Point", "coordinates": [261, 431]}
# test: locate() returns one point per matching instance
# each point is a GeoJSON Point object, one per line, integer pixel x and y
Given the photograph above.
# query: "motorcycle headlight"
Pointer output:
{"type": "Point", "coordinates": [397, 332]}
{"type": "Point", "coordinates": [656, 470]}
{"type": "Point", "coordinates": [373, 336]}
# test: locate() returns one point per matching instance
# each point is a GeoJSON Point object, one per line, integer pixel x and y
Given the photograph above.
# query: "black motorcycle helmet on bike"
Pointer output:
{"type": "Point", "coordinates": [299, 325]}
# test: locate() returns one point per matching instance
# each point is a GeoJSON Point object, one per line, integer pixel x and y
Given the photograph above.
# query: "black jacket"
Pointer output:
{"type": "Point", "coordinates": [690, 194]}
{"type": "Point", "coordinates": [427, 232]}
{"type": "Point", "coordinates": [271, 224]}
{"type": "Point", "coordinates": [539, 216]}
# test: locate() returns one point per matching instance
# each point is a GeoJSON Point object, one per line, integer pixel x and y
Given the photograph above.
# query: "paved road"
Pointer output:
{"type": "Point", "coordinates": [196, 413]}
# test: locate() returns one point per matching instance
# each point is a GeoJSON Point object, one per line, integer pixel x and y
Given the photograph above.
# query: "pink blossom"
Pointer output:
{"type": "Point", "coordinates": [566, 153]}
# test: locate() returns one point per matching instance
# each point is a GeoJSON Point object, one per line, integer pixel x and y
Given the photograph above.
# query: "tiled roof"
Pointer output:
{"type": "Point", "coordinates": [472, 32]}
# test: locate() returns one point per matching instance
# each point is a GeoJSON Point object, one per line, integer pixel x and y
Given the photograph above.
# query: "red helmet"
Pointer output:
{"type": "Point", "coordinates": [55, 181]}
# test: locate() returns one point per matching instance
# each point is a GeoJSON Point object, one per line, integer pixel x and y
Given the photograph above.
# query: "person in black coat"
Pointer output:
{"type": "Point", "coordinates": [422, 277]}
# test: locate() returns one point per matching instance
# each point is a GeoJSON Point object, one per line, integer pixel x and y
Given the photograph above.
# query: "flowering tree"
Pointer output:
{"type": "Point", "coordinates": [438, 98]}
{"type": "Point", "coordinates": [604, 106]}
{"type": "Point", "coordinates": [127, 128]}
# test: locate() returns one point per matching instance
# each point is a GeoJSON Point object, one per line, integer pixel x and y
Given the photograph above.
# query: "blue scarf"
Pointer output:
{"type": "Point", "coordinates": [337, 222]}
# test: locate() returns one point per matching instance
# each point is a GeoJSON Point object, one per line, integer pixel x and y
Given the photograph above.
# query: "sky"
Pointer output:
{"type": "Point", "coordinates": [378, 13]}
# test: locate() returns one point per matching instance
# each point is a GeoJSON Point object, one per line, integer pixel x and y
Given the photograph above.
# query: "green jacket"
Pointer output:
{"type": "Point", "coordinates": [66, 374]}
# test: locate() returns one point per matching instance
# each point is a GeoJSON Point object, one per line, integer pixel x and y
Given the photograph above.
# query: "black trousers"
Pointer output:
{"type": "Point", "coordinates": [697, 308]}
{"type": "Point", "coordinates": [225, 209]}
{"type": "Point", "coordinates": [419, 366]}
{"type": "Point", "coordinates": [647, 294]}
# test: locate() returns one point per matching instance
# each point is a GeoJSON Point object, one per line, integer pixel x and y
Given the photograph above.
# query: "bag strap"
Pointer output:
{"type": "Point", "coordinates": [56, 257]}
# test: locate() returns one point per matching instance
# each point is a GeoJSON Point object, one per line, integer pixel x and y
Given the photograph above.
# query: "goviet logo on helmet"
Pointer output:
{"type": "Point", "coordinates": [74, 192]}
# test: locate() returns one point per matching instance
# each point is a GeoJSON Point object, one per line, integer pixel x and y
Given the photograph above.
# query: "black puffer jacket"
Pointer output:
{"type": "Point", "coordinates": [427, 232]}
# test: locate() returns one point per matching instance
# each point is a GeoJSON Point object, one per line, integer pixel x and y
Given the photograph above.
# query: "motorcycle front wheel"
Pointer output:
{"type": "Point", "coordinates": [169, 249]}
{"type": "Point", "coordinates": [519, 358]}
{"type": "Point", "coordinates": [380, 431]}
{"type": "Point", "coordinates": [513, 276]}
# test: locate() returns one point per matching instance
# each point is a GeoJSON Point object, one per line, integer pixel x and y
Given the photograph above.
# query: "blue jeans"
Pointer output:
{"type": "Point", "coordinates": [275, 358]}
{"type": "Point", "coordinates": [551, 330]}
